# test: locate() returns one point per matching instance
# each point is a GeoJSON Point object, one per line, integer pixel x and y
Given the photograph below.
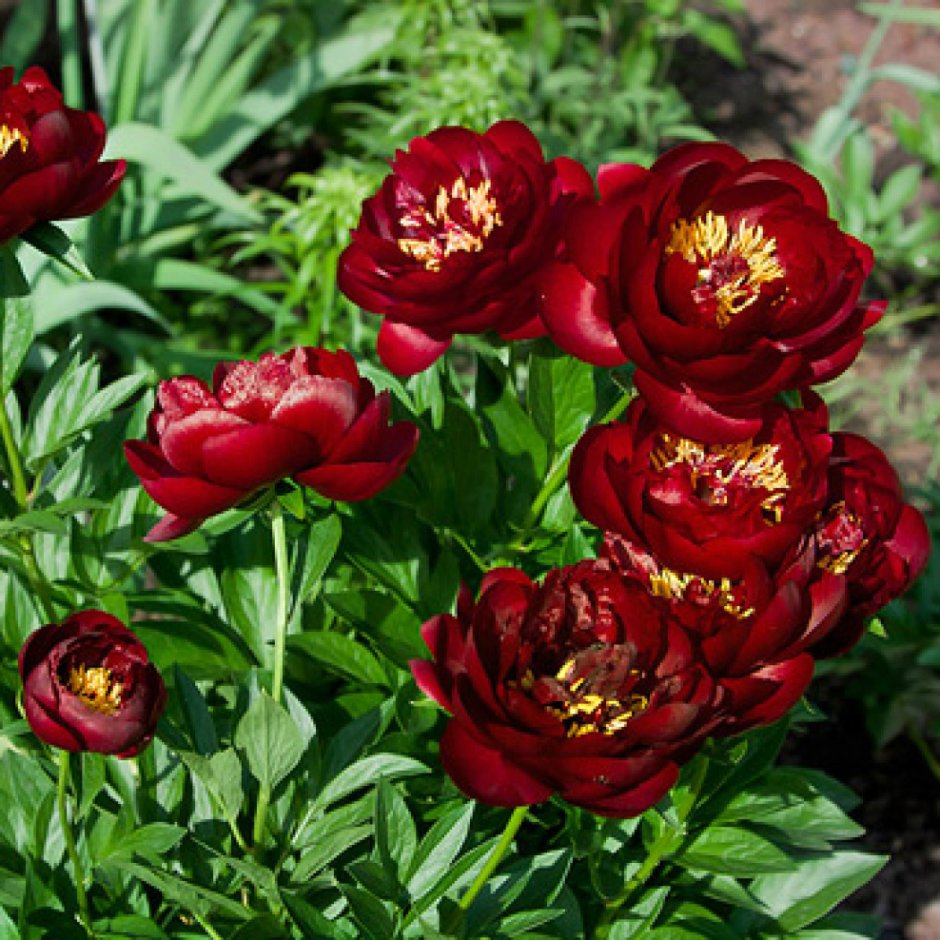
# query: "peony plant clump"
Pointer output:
{"type": "Point", "coordinates": [620, 514]}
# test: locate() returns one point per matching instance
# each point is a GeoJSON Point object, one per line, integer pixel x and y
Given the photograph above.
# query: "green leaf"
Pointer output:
{"type": "Point", "coordinates": [327, 848]}
{"type": "Point", "coordinates": [8, 929]}
{"type": "Point", "coordinates": [196, 712]}
{"type": "Point", "coordinates": [156, 150]}
{"type": "Point", "coordinates": [733, 850]}
{"type": "Point", "coordinates": [342, 655]}
{"type": "Point", "coordinates": [272, 744]}
{"type": "Point", "coordinates": [16, 336]}
{"type": "Point", "coordinates": [23, 33]}
{"type": "Point", "coordinates": [364, 773]}
{"type": "Point", "coordinates": [67, 302]}
{"type": "Point", "coordinates": [438, 849]}
{"type": "Point", "coordinates": [395, 834]}
{"type": "Point", "coordinates": [371, 914]}
{"type": "Point", "coordinates": [798, 898]}
{"type": "Point", "coordinates": [561, 395]}
{"type": "Point", "coordinates": [151, 841]}
{"type": "Point", "coordinates": [128, 927]}
{"type": "Point", "coordinates": [312, 556]}
{"type": "Point", "coordinates": [52, 241]}
{"type": "Point", "coordinates": [279, 94]}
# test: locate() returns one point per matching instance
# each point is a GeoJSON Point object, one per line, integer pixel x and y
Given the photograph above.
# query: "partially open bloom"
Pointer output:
{"type": "Point", "coordinates": [88, 685]}
{"type": "Point", "coordinates": [582, 686]}
{"type": "Point", "coordinates": [451, 241]}
{"type": "Point", "coordinates": [707, 509]}
{"type": "Point", "coordinates": [867, 533]}
{"type": "Point", "coordinates": [723, 279]}
{"type": "Point", "coordinates": [756, 632]}
{"type": "Point", "coordinates": [305, 414]}
{"type": "Point", "coordinates": [49, 156]}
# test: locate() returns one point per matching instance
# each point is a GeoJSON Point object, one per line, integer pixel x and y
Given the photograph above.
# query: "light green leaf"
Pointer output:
{"type": "Point", "coordinates": [342, 655]}
{"type": "Point", "coordinates": [16, 336]}
{"type": "Point", "coordinates": [270, 740]}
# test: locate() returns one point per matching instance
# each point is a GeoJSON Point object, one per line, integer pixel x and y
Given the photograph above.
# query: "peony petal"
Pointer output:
{"type": "Point", "coordinates": [406, 350]}
{"type": "Point", "coordinates": [485, 774]}
{"type": "Point", "coordinates": [256, 455]}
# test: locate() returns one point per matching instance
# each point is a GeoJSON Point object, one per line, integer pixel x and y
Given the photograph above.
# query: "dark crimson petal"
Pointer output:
{"type": "Point", "coordinates": [181, 495]}
{"type": "Point", "coordinates": [575, 315]}
{"type": "Point", "coordinates": [97, 186]}
{"type": "Point", "coordinates": [256, 455]}
{"type": "Point", "coordinates": [173, 527]}
{"type": "Point", "coordinates": [428, 681]}
{"type": "Point", "coordinates": [41, 192]}
{"type": "Point", "coordinates": [614, 178]}
{"type": "Point", "coordinates": [406, 350]}
{"type": "Point", "coordinates": [49, 728]}
{"type": "Point", "coordinates": [591, 487]}
{"type": "Point", "coordinates": [637, 800]}
{"type": "Point", "coordinates": [486, 774]}
{"type": "Point", "coordinates": [769, 693]}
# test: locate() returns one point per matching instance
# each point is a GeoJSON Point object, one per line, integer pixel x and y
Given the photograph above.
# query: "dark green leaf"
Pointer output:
{"type": "Point", "coordinates": [561, 396]}
{"type": "Point", "coordinates": [341, 654]}
{"type": "Point", "coordinates": [395, 834]}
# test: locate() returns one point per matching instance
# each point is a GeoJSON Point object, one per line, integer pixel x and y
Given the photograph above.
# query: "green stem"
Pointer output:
{"type": "Point", "coordinates": [207, 927]}
{"type": "Point", "coordinates": [667, 844]}
{"type": "Point", "coordinates": [67, 19]}
{"type": "Point", "coordinates": [515, 821]}
{"type": "Point", "coordinates": [920, 742]}
{"type": "Point", "coordinates": [282, 570]}
{"type": "Point", "coordinates": [17, 477]}
{"type": "Point", "coordinates": [70, 847]}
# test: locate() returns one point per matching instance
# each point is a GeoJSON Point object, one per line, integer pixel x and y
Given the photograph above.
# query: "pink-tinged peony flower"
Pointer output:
{"type": "Point", "coordinates": [582, 686]}
{"type": "Point", "coordinates": [757, 633]}
{"type": "Point", "coordinates": [305, 414]}
{"type": "Point", "coordinates": [723, 279]}
{"type": "Point", "coordinates": [88, 685]}
{"type": "Point", "coordinates": [867, 533]}
{"type": "Point", "coordinates": [49, 156]}
{"type": "Point", "coordinates": [707, 509]}
{"type": "Point", "coordinates": [451, 241]}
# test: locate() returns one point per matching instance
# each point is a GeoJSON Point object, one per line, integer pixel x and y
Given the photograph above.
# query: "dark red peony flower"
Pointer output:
{"type": "Point", "coordinates": [867, 533]}
{"type": "Point", "coordinates": [49, 166]}
{"type": "Point", "coordinates": [723, 279]}
{"type": "Point", "coordinates": [88, 685]}
{"type": "Point", "coordinates": [756, 632]}
{"type": "Point", "coordinates": [708, 509]}
{"type": "Point", "coordinates": [451, 241]}
{"type": "Point", "coordinates": [305, 414]}
{"type": "Point", "coordinates": [582, 686]}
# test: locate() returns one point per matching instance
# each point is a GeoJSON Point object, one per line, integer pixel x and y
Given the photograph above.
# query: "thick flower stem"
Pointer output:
{"type": "Point", "coordinates": [70, 847]}
{"type": "Point", "coordinates": [515, 821]}
{"type": "Point", "coordinates": [17, 478]}
{"type": "Point", "coordinates": [667, 844]}
{"type": "Point", "coordinates": [282, 570]}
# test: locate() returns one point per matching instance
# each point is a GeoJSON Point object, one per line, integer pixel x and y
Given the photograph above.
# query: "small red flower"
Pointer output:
{"type": "Point", "coordinates": [305, 414]}
{"type": "Point", "coordinates": [723, 279]}
{"type": "Point", "coordinates": [708, 509]}
{"type": "Point", "coordinates": [49, 156]}
{"type": "Point", "coordinates": [451, 241]}
{"type": "Point", "coordinates": [582, 686]}
{"type": "Point", "coordinates": [867, 533]}
{"type": "Point", "coordinates": [88, 685]}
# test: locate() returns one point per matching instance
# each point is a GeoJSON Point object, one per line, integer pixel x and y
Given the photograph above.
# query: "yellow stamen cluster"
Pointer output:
{"type": "Point", "coordinates": [841, 562]}
{"type": "Point", "coordinates": [96, 687]}
{"type": "Point", "coordinates": [9, 136]}
{"type": "Point", "coordinates": [708, 238]}
{"type": "Point", "coordinates": [754, 465]}
{"type": "Point", "coordinates": [449, 236]}
{"type": "Point", "coordinates": [590, 713]}
{"type": "Point", "coordinates": [672, 585]}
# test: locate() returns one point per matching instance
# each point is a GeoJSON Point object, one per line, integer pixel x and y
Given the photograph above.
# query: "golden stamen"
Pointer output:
{"type": "Point", "coordinates": [10, 136]}
{"type": "Point", "coordinates": [840, 562]}
{"type": "Point", "coordinates": [709, 239]}
{"type": "Point", "coordinates": [672, 585]}
{"type": "Point", "coordinates": [447, 235]}
{"type": "Point", "coordinates": [96, 687]}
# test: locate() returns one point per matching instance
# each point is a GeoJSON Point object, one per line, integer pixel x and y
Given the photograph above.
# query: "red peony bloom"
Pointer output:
{"type": "Point", "coordinates": [723, 279]}
{"type": "Point", "coordinates": [49, 166]}
{"type": "Point", "coordinates": [306, 414]}
{"type": "Point", "coordinates": [451, 241]}
{"type": "Point", "coordinates": [703, 508]}
{"type": "Point", "coordinates": [867, 533]}
{"type": "Point", "coordinates": [582, 687]}
{"type": "Point", "coordinates": [756, 632]}
{"type": "Point", "coordinates": [88, 686]}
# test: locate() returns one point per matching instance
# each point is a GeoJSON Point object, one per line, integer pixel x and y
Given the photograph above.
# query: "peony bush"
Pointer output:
{"type": "Point", "coordinates": [620, 514]}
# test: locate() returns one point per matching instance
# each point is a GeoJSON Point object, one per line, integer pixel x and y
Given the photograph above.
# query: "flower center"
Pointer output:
{"type": "Point", "coordinates": [673, 585]}
{"type": "Point", "coordinates": [9, 137]}
{"type": "Point", "coordinates": [840, 539]}
{"type": "Point", "coordinates": [462, 220]}
{"type": "Point", "coordinates": [734, 265]}
{"type": "Point", "coordinates": [96, 687]}
{"type": "Point", "coordinates": [591, 691]}
{"type": "Point", "coordinates": [717, 470]}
